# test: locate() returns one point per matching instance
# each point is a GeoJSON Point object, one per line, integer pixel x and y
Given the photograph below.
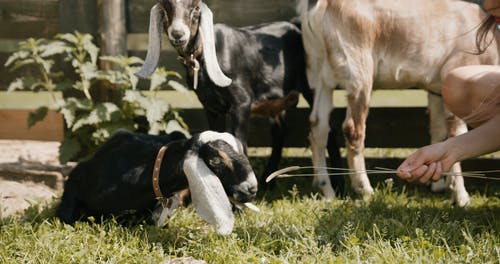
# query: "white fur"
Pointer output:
{"type": "Point", "coordinates": [206, 30]}
{"type": "Point", "coordinates": [208, 136]}
{"type": "Point", "coordinates": [154, 42]}
{"type": "Point", "coordinates": [208, 195]}
{"type": "Point", "coordinates": [349, 43]}
{"type": "Point", "coordinates": [179, 25]}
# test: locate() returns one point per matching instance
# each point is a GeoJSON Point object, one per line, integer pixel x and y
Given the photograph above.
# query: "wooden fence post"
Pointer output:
{"type": "Point", "coordinates": [77, 15]}
{"type": "Point", "coordinates": [112, 31]}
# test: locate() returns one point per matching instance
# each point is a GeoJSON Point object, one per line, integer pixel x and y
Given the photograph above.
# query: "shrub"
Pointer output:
{"type": "Point", "coordinates": [96, 102]}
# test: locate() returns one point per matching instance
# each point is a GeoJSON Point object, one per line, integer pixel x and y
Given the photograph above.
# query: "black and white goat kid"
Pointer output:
{"type": "Point", "coordinates": [118, 177]}
{"type": "Point", "coordinates": [239, 72]}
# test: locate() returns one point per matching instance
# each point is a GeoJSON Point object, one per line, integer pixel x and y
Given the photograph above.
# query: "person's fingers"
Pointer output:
{"type": "Point", "coordinates": [404, 175]}
{"type": "Point", "coordinates": [417, 173]}
{"type": "Point", "coordinates": [405, 170]}
{"type": "Point", "coordinates": [439, 170]}
{"type": "Point", "coordinates": [431, 168]}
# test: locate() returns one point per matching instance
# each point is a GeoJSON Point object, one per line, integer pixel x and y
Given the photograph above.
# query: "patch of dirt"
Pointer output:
{"type": "Point", "coordinates": [30, 173]}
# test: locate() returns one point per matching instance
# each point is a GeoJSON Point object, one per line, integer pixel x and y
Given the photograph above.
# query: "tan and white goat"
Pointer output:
{"type": "Point", "coordinates": [359, 45]}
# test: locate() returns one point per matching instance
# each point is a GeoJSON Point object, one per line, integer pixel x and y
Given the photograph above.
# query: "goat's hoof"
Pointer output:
{"type": "Point", "coordinates": [460, 199]}
{"type": "Point", "coordinates": [439, 186]}
{"type": "Point", "coordinates": [364, 191]}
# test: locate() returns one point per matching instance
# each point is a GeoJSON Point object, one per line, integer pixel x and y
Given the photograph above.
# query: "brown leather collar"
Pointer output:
{"type": "Point", "coordinates": [156, 174]}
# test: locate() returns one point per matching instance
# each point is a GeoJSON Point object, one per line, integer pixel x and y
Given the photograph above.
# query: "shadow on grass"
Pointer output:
{"type": "Point", "coordinates": [410, 215]}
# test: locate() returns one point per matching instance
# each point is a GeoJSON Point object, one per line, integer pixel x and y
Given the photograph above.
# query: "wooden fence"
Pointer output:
{"type": "Point", "coordinates": [397, 119]}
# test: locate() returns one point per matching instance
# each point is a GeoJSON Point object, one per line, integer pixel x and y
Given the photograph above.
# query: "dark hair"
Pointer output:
{"type": "Point", "coordinates": [482, 41]}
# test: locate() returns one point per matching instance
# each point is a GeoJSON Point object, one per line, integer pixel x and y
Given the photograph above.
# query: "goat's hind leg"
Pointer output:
{"type": "Point", "coordinates": [338, 182]}
{"type": "Point", "coordinates": [318, 138]}
{"type": "Point", "coordinates": [354, 128]}
{"type": "Point", "coordinates": [278, 134]}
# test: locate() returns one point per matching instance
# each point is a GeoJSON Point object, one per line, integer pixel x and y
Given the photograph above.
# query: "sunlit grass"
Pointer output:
{"type": "Point", "coordinates": [397, 225]}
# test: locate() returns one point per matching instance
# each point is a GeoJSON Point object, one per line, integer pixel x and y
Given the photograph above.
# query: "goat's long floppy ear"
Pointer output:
{"type": "Point", "coordinates": [208, 195]}
{"type": "Point", "coordinates": [206, 30]}
{"type": "Point", "coordinates": [154, 42]}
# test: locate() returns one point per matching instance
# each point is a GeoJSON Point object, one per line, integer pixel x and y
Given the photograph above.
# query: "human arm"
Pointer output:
{"type": "Point", "coordinates": [430, 161]}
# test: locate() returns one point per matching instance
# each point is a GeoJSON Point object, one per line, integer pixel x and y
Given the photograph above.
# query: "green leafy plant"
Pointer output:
{"type": "Point", "coordinates": [101, 101]}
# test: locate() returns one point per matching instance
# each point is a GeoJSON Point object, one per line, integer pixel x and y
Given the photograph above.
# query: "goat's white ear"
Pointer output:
{"type": "Point", "coordinates": [154, 42]}
{"type": "Point", "coordinates": [208, 195]}
{"type": "Point", "coordinates": [206, 30]}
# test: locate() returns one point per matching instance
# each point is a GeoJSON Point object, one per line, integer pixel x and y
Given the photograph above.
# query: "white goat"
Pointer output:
{"type": "Point", "coordinates": [361, 44]}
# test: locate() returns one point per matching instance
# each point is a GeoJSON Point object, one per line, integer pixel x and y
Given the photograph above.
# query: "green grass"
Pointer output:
{"type": "Point", "coordinates": [400, 224]}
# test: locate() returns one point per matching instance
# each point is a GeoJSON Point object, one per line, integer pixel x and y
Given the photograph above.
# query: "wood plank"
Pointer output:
{"type": "Point", "coordinates": [78, 15]}
{"type": "Point", "coordinates": [26, 99]}
{"type": "Point", "coordinates": [14, 126]}
{"type": "Point", "coordinates": [189, 100]}
{"type": "Point", "coordinates": [233, 12]}
{"type": "Point", "coordinates": [29, 18]}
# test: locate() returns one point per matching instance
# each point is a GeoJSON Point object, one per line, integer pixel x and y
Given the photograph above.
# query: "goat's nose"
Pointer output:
{"type": "Point", "coordinates": [251, 192]}
{"type": "Point", "coordinates": [177, 34]}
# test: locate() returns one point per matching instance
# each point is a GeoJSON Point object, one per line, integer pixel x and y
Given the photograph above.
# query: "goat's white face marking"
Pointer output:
{"type": "Point", "coordinates": [178, 32]}
{"type": "Point", "coordinates": [208, 136]}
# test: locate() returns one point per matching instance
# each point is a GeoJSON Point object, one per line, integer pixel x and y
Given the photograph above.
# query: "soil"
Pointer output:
{"type": "Point", "coordinates": [24, 181]}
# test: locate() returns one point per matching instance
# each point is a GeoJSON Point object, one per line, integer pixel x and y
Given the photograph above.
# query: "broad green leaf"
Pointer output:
{"type": "Point", "coordinates": [67, 37]}
{"type": "Point", "coordinates": [69, 148]}
{"type": "Point", "coordinates": [103, 112]}
{"type": "Point", "coordinates": [174, 73]}
{"type": "Point", "coordinates": [17, 84]}
{"type": "Point", "coordinates": [53, 48]}
{"type": "Point", "coordinates": [158, 78]}
{"type": "Point", "coordinates": [68, 108]}
{"type": "Point", "coordinates": [135, 60]}
{"type": "Point", "coordinates": [19, 55]}
{"type": "Point", "coordinates": [177, 86]}
{"type": "Point", "coordinates": [174, 125]}
{"type": "Point", "coordinates": [63, 85]}
{"type": "Point", "coordinates": [19, 64]}
{"type": "Point", "coordinates": [155, 128]}
{"type": "Point", "coordinates": [46, 64]}
{"type": "Point", "coordinates": [156, 110]}
{"type": "Point", "coordinates": [109, 128]}
{"type": "Point", "coordinates": [38, 115]}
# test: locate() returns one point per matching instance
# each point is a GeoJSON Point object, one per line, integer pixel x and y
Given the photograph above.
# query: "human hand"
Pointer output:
{"type": "Point", "coordinates": [427, 163]}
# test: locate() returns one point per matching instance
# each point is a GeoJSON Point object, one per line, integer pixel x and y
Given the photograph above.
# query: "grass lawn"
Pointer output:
{"type": "Point", "coordinates": [400, 224]}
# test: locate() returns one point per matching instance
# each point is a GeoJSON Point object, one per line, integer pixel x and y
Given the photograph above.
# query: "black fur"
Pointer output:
{"type": "Point", "coordinates": [264, 62]}
{"type": "Point", "coordinates": [118, 177]}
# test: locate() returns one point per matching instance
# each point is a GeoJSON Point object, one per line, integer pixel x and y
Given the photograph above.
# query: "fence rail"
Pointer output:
{"type": "Point", "coordinates": [397, 118]}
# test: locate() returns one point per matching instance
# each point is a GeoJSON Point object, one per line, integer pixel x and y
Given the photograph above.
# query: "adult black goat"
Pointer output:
{"type": "Point", "coordinates": [121, 177]}
{"type": "Point", "coordinates": [265, 65]}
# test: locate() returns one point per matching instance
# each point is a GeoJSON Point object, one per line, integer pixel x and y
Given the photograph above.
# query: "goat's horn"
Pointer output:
{"type": "Point", "coordinates": [154, 42]}
{"type": "Point", "coordinates": [208, 40]}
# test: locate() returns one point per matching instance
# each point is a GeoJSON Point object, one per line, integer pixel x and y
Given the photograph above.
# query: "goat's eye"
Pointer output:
{"type": "Point", "coordinates": [195, 13]}
{"type": "Point", "coordinates": [216, 161]}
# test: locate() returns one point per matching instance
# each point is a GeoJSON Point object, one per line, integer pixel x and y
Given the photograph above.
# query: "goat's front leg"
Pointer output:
{"type": "Point", "coordinates": [318, 139]}
{"type": "Point", "coordinates": [442, 125]}
{"type": "Point", "coordinates": [354, 128]}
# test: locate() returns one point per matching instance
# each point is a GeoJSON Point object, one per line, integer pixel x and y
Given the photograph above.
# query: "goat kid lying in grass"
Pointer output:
{"type": "Point", "coordinates": [121, 177]}
{"type": "Point", "coordinates": [265, 65]}
{"type": "Point", "coordinates": [365, 44]}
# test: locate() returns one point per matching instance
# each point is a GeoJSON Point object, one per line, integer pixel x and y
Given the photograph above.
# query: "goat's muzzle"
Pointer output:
{"type": "Point", "coordinates": [244, 192]}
